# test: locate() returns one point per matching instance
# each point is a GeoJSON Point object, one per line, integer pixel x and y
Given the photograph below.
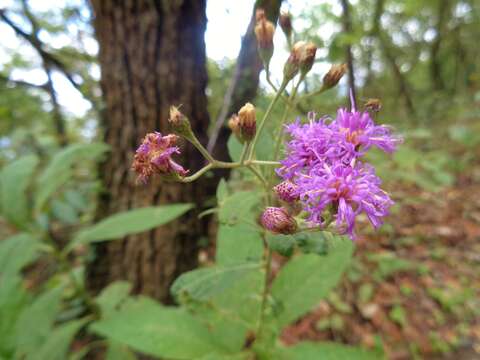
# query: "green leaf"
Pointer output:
{"type": "Point", "coordinates": [307, 279]}
{"type": "Point", "coordinates": [16, 252]}
{"type": "Point", "coordinates": [118, 351]}
{"type": "Point", "coordinates": [202, 284]}
{"type": "Point", "coordinates": [222, 191]}
{"type": "Point", "coordinates": [238, 207]}
{"type": "Point", "coordinates": [42, 312]}
{"type": "Point", "coordinates": [234, 148]}
{"type": "Point", "coordinates": [326, 351]}
{"type": "Point", "coordinates": [112, 296]}
{"type": "Point", "coordinates": [129, 222]}
{"type": "Point", "coordinates": [14, 180]}
{"type": "Point", "coordinates": [58, 342]}
{"type": "Point", "coordinates": [238, 244]}
{"type": "Point", "coordinates": [58, 171]}
{"type": "Point", "coordinates": [283, 244]}
{"type": "Point", "coordinates": [156, 330]}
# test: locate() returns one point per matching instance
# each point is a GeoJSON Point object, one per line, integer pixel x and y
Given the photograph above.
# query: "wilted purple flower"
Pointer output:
{"type": "Point", "coordinates": [348, 190]}
{"type": "Point", "coordinates": [154, 155]}
{"type": "Point", "coordinates": [278, 221]}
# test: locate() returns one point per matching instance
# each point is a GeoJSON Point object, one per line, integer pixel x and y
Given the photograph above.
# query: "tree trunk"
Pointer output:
{"type": "Point", "coordinates": [152, 55]}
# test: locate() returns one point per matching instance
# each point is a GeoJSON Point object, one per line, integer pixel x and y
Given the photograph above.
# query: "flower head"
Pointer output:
{"type": "Point", "coordinates": [358, 132]}
{"type": "Point", "coordinates": [348, 190]}
{"type": "Point", "coordinates": [154, 156]}
{"type": "Point", "coordinates": [278, 221]}
{"type": "Point", "coordinates": [247, 122]}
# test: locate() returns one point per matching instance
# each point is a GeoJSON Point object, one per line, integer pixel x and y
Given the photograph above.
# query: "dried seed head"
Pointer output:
{"type": "Point", "coordinates": [333, 76]}
{"type": "Point", "coordinates": [278, 221]}
{"type": "Point", "coordinates": [247, 122]}
{"type": "Point", "coordinates": [286, 191]}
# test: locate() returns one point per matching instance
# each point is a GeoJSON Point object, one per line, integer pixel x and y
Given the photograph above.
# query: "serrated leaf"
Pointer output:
{"type": "Point", "coordinates": [153, 329]}
{"type": "Point", "coordinates": [326, 351]}
{"type": "Point", "coordinates": [308, 278]}
{"type": "Point", "coordinates": [129, 222]}
{"type": "Point", "coordinates": [58, 342]}
{"type": "Point", "coordinates": [14, 180]}
{"type": "Point", "coordinates": [58, 171]}
{"type": "Point", "coordinates": [202, 284]}
{"type": "Point", "coordinates": [238, 207]}
{"type": "Point", "coordinates": [16, 252]}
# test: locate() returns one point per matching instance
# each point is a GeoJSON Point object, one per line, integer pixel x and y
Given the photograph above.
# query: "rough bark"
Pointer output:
{"type": "Point", "coordinates": [435, 63]}
{"type": "Point", "coordinates": [152, 55]}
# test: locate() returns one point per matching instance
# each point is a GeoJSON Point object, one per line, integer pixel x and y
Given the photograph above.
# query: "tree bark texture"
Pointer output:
{"type": "Point", "coordinates": [152, 55]}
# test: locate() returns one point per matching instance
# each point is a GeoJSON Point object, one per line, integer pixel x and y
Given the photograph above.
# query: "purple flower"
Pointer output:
{"type": "Point", "coordinates": [348, 191]}
{"type": "Point", "coordinates": [154, 155]}
{"type": "Point", "coordinates": [357, 132]}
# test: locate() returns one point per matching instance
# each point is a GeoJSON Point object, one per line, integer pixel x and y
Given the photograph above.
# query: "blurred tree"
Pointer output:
{"type": "Point", "coordinates": [152, 55]}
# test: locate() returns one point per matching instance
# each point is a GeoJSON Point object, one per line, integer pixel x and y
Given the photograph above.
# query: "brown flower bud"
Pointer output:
{"type": "Point", "coordinates": [179, 123]}
{"type": "Point", "coordinates": [247, 122]}
{"type": "Point", "coordinates": [333, 76]}
{"type": "Point", "coordinates": [307, 57]}
{"type": "Point", "coordinates": [278, 221]}
{"type": "Point", "coordinates": [234, 125]}
{"type": "Point", "coordinates": [373, 105]}
{"type": "Point", "coordinates": [285, 21]}
{"type": "Point", "coordinates": [292, 66]}
{"type": "Point", "coordinates": [264, 31]}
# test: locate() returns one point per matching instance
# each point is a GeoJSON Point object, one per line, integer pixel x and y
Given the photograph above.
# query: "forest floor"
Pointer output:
{"type": "Point", "coordinates": [414, 286]}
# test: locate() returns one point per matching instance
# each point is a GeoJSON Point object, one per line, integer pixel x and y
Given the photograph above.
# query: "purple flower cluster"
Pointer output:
{"type": "Point", "coordinates": [322, 161]}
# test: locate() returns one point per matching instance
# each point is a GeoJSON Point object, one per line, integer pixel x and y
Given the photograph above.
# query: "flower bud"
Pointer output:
{"type": "Point", "coordinates": [373, 105]}
{"type": "Point", "coordinates": [179, 123]}
{"type": "Point", "coordinates": [278, 221]}
{"type": "Point", "coordinates": [264, 31]}
{"type": "Point", "coordinates": [333, 76]}
{"type": "Point", "coordinates": [292, 66]}
{"type": "Point", "coordinates": [286, 191]}
{"type": "Point", "coordinates": [307, 57]}
{"type": "Point", "coordinates": [247, 122]}
{"type": "Point", "coordinates": [234, 125]}
{"type": "Point", "coordinates": [285, 21]}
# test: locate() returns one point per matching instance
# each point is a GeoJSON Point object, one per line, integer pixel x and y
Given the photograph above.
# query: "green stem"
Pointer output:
{"type": "Point", "coordinates": [194, 141]}
{"type": "Point", "coordinates": [244, 153]}
{"type": "Point", "coordinates": [265, 292]}
{"type": "Point", "coordinates": [265, 117]}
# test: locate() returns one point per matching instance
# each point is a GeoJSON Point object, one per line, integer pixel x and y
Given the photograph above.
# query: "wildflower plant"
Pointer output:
{"type": "Point", "coordinates": [304, 198]}
{"type": "Point", "coordinates": [302, 203]}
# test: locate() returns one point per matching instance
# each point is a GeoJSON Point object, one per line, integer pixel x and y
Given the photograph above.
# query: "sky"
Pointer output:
{"type": "Point", "coordinates": [227, 22]}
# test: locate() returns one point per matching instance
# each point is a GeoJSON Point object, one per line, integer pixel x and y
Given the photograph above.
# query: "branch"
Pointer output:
{"type": "Point", "coordinates": [22, 83]}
